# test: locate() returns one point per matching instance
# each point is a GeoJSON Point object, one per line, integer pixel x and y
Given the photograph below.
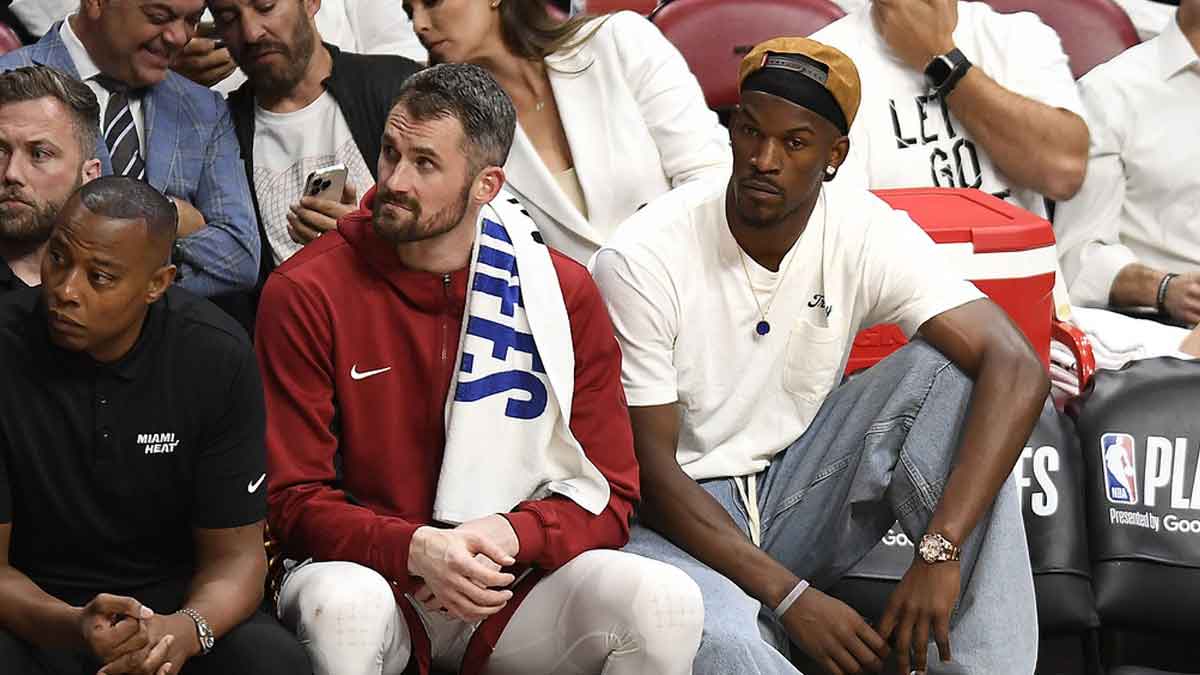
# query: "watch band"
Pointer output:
{"type": "Point", "coordinates": [956, 76]}
{"type": "Point", "coordinates": [204, 632]}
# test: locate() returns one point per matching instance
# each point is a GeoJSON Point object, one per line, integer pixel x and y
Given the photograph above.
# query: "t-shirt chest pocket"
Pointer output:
{"type": "Point", "coordinates": [814, 354]}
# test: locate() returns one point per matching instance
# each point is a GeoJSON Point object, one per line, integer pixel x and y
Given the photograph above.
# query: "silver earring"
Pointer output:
{"type": "Point", "coordinates": [830, 170]}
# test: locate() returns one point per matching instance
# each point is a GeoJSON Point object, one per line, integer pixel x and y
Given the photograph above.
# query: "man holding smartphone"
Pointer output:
{"type": "Point", "coordinates": [306, 108]}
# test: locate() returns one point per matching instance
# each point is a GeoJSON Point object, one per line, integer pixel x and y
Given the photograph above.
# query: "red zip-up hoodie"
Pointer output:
{"type": "Point", "coordinates": [357, 353]}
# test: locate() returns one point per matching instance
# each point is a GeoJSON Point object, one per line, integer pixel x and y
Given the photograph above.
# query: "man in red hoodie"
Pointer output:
{"type": "Point", "coordinates": [358, 338]}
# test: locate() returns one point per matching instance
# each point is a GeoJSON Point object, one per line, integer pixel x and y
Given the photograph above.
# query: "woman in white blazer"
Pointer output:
{"type": "Point", "coordinates": [609, 115]}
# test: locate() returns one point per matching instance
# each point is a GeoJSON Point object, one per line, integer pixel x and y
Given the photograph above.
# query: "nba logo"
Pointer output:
{"type": "Point", "coordinates": [1120, 468]}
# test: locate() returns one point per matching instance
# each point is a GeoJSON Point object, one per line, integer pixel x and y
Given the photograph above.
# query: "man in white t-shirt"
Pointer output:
{"type": "Point", "coordinates": [306, 106]}
{"type": "Point", "coordinates": [958, 95]}
{"type": "Point", "coordinates": [735, 312]}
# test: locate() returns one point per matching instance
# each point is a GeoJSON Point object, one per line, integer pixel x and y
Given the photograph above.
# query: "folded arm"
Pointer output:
{"type": "Point", "coordinates": [223, 255]}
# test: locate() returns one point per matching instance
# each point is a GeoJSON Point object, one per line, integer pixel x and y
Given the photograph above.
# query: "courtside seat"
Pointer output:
{"type": "Point", "coordinates": [714, 35]}
{"type": "Point", "coordinates": [1092, 31]}
{"type": "Point", "coordinates": [1140, 434]}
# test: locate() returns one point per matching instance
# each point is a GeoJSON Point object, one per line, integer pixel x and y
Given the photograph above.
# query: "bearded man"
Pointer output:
{"type": "Point", "coordinates": [306, 105]}
{"type": "Point", "coordinates": [48, 128]}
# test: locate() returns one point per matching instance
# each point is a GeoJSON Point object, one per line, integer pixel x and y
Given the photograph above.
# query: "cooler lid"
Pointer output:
{"type": "Point", "coordinates": [962, 215]}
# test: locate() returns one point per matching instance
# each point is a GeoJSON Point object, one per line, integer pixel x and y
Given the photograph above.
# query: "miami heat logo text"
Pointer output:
{"type": "Point", "coordinates": [1120, 468]}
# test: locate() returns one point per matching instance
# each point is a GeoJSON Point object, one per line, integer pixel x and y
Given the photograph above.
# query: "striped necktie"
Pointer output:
{"type": "Point", "coordinates": [120, 132]}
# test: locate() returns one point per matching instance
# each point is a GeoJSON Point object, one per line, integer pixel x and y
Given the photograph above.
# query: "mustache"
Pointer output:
{"type": "Point", "coordinates": [257, 49]}
{"type": "Point", "coordinates": [401, 200]}
{"type": "Point", "coordinates": [758, 179]}
{"type": "Point", "coordinates": [17, 196]}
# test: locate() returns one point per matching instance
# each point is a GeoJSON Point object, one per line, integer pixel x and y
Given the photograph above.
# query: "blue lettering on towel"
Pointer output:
{"type": "Point", "coordinates": [503, 338]}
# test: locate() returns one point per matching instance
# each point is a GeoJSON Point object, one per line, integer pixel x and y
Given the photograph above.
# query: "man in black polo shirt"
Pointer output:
{"type": "Point", "coordinates": [49, 122]}
{"type": "Point", "coordinates": [132, 460]}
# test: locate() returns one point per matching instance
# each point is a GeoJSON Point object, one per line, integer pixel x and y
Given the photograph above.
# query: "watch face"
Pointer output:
{"type": "Point", "coordinates": [935, 548]}
{"type": "Point", "coordinates": [928, 549]}
{"type": "Point", "coordinates": [938, 70]}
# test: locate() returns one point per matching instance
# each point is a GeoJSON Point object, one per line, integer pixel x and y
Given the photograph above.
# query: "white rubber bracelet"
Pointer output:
{"type": "Point", "coordinates": [790, 598]}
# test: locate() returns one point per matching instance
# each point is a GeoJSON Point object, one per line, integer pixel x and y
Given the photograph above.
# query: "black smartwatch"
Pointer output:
{"type": "Point", "coordinates": [944, 71]}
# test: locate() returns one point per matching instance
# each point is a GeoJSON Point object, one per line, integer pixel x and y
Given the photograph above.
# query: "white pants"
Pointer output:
{"type": "Point", "coordinates": [604, 612]}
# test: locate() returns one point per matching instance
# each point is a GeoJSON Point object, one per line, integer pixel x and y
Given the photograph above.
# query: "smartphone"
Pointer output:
{"type": "Point", "coordinates": [327, 183]}
{"type": "Point", "coordinates": [208, 31]}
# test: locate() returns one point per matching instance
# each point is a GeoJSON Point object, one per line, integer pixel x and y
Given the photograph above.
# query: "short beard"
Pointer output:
{"type": "Point", "coordinates": [296, 59]}
{"type": "Point", "coordinates": [34, 228]}
{"type": "Point", "coordinates": [440, 223]}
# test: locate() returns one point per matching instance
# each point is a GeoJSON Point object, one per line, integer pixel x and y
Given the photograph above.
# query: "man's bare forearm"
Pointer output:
{"type": "Point", "coordinates": [1136, 285]}
{"type": "Point", "coordinates": [1010, 389]}
{"type": "Point", "coordinates": [682, 511]}
{"type": "Point", "coordinates": [35, 616]}
{"type": "Point", "coordinates": [1035, 145]}
{"type": "Point", "coordinates": [228, 585]}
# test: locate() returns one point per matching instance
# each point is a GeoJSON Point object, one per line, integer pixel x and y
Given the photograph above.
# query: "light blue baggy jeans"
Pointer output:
{"type": "Point", "coordinates": [879, 450]}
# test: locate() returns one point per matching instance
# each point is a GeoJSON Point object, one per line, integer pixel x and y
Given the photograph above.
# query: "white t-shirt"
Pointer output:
{"type": "Point", "coordinates": [904, 138]}
{"type": "Point", "coordinates": [682, 310]}
{"type": "Point", "coordinates": [290, 146]}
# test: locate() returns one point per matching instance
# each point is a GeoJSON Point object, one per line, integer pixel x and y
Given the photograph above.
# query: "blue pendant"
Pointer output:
{"type": "Point", "coordinates": [762, 328]}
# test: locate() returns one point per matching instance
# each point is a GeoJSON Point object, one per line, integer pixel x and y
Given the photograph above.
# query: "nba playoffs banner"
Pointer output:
{"type": "Point", "coordinates": [1139, 430]}
{"type": "Point", "coordinates": [1050, 479]}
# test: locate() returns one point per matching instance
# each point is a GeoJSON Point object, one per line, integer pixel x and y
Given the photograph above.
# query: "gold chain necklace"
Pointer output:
{"type": "Point", "coordinates": [763, 326]}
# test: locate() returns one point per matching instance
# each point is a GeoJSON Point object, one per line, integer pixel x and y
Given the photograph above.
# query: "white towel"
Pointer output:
{"type": "Point", "coordinates": [1118, 339]}
{"type": "Point", "coordinates": [508, 412]}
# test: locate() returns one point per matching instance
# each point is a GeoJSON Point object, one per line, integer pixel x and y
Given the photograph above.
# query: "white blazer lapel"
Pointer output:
{"type": "Point", "coordinates": [579, 91]}
{"type": "Point", "coordinates": [528, 176]}
{"type": "Point", "coordinates": [574, 86]}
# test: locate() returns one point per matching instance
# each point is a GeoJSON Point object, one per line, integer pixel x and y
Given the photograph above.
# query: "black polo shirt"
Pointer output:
{"type": "Point", "coordinates": [8, 280]}
{"type": "Point", "coordinates": [105, 469]}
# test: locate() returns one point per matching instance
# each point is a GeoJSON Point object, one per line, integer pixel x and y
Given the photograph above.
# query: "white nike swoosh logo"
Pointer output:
{"type": "Point", "coordinates": [252, 486]}
{"type": "Point", "coordinates": [356, 375]}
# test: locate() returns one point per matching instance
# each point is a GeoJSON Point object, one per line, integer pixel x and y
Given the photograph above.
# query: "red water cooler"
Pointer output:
{"type": "Point", "coordinates": [1006, 251]}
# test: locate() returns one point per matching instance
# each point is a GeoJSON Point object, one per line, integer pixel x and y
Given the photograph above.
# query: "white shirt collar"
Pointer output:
{"type": "Point", "coordinates": [1175, 52]}
{"type": "Point", "coordinates": [83, 62]}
